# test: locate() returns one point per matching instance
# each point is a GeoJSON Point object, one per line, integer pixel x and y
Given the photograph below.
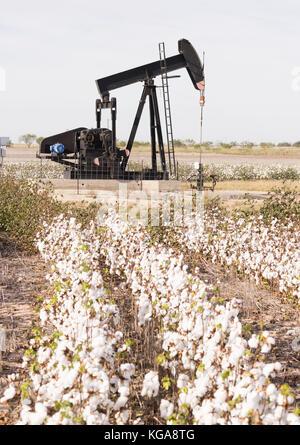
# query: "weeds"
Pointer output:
{"type": "Point", "coordinates": [281, 204]}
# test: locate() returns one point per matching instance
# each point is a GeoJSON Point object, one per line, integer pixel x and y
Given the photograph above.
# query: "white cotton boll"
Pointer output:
{"type": "Point", "coordinates": [41, 410]}
{"type": "Point", "coordinates": [124, 390]}
{"type": "Point", "coordinates": [150, 384]}
{"type": "Point", "coordinates": [12, 377]}
{"type": "Point", "coordinates": [202, 384]}
{"type": "Point", "coordinates": [127, 370]}
{"type": "Point", "coordinates": [36, 380]}
{"type": "Point", "coordinates": [186, 324]}
{"type": "Point", "coordinates": [166, 408]}
{"type": "Point", "coordinates": [268, 369]}
{"type": "Point", "coordinates": [278, 412]}
{"type": "Point", "coordinates": [36, 418]}
{"type": "Point", "coordinates": [292, 419]}
{"type": "Point", "coordinates": [237, 352]}
{"type": "Point", "coordinates": [43, 355]}
{"type": "Point", "coordinates": [66, 421]}
{"type": "Point", "coordinates": [119, 335]}
{"type": "Point", "coordinates": [120, 403]}
{"type": "Point", "coordinates": [9, 393]}
{"type": "Point", "coordinates": [122, 417]}
{"type": "Point", "coordinates": [271, 390]}
{"type": "Point", "coordinates": [253, 342]}
{"type": "Point", "coordinates": [266, 348]}
{"type": "Point", "coordinates": [220, 396]}
{"type": "Point", "coordinates": [145, 312]}
{"type": "Point", "coordinates": [24, 414]}
{"type": "Point", "coordinates": [277, 366]}
{"type": "Point", "coordinates": [269, 419]}
{"type": "Point", "coordinates": [204, 414]}
{"type": "Point", "coordinates": [183, 398]}
{"type": "Point", "coordinates": [68, 378]}
{"type": "Point", "coordinates": [43, 316]}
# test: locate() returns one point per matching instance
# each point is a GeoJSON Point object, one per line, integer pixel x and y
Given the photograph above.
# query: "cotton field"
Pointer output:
{"type": "Point", "coordinates": [204, 370]}
{"type": "Point", "coordinates": [225, 172]}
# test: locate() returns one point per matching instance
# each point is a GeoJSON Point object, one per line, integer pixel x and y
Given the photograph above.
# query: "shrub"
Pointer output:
{"type": "Point", "coordinates": [247, 144]}
{"type": "Point", "coordinates": [296, 144]}
{"type": "Point", "coordinates": [284, 144]}
{"type": "Point", "coordinates": [39, 140]}
{"type": "Point", "coordinates": [281, 204]}
{"type": "Point", "coordinates": [179, 143]}
{"type": "Point", "coordinates": [189, 142]}
{"type": "Point", "coordinates": [266, 144]}
{"type": "Point", "coordinates": [229, 145]}
{"type": "Point", "coordinates": [26, 204]}
{"type": "Point", "coordinates": [28, 139]}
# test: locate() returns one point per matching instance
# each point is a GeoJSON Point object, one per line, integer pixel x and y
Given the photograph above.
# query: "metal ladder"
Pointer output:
{"type": "Point", "coordinates": [166, 97]}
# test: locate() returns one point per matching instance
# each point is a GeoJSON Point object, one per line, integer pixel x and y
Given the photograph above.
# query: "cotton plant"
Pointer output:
{"type": "Point", "coordinates": [267, 254]}
{"type": "Point", "coordinates": [241, 171]}
{"type": "Point", "coordinates": [74, 374]}
{"type": "Point", "coordinates": [225, 172]}
{"type": "Point", "coordinates": [206, 371]}
{"type": "Point", "coordinates": [33, 170]}
{"type": "Point", "coordinates": [202, 346]}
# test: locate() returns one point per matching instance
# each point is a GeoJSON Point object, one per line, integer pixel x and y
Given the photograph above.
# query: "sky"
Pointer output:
{"type": "Point", "coordinates": [51, 53]}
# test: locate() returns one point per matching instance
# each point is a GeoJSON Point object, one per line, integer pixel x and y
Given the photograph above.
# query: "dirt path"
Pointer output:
{"type": "Point", "coordinates": [22, 154]}
{"type": "Point", "coordinates": [22, 279]}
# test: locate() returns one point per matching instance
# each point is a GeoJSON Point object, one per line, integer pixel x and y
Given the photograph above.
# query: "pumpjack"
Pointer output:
{"type": "Point", "coordinates": [93, 153]}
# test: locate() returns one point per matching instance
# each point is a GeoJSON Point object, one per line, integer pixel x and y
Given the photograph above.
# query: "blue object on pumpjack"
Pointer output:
{"type": "Point", "coordinates": [57, 149]}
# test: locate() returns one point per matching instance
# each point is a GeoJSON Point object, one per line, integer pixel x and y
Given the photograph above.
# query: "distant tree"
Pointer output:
{"type": "Point", "coordinates": [179, 143]}
{"type": "Point", "coordinates": [266, 144]}
{"type": "Point", "coordinates": [140, 144]}
{"type": "Point", "coordinates": [28, 139]}
{"type": "Point", "coordinates": [283, 144]}
{"type": "Point", "coordinates": [296, 144]}
{"type": "Point", "coordinates": [207, 144]}
{"type": "Point", "coordinates": [9, 143]}
{"type": "Point", "coordinates": [39, 140]}
{"type": "Point", "coordinates": [247, 144]}
{"type": "Point", "coordinates": [189, 142]}
{"type": "Point", "coordinates": [228, 145]}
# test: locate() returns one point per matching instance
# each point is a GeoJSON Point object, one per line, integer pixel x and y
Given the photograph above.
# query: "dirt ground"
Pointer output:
{"type": "Point", "coordinates": [22, 279]}
{"type": "Point", "coordinates": [21, 154]}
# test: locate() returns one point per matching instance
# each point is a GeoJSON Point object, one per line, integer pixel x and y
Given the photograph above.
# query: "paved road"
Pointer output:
{"type": "Point", "coordinates": [29, 154]}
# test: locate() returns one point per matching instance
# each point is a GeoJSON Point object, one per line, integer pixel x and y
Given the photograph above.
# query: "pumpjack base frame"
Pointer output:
{"type": "Point", "coordinates": [127, 175]}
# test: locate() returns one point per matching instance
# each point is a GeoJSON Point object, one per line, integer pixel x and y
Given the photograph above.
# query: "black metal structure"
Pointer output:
{"type": "Point", "coordinates": [92, 153]}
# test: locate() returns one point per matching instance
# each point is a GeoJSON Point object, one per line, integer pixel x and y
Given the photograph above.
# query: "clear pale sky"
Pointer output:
{"type": "Point", "coordinates": [52, 52]}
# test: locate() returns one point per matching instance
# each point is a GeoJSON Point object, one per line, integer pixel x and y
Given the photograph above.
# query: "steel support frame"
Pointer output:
{"type": "Point", "coordinates": [149, 90]}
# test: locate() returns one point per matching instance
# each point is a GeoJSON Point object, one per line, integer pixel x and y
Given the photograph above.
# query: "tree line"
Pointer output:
{"type": "Point", "coordinates": [30, 139]}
